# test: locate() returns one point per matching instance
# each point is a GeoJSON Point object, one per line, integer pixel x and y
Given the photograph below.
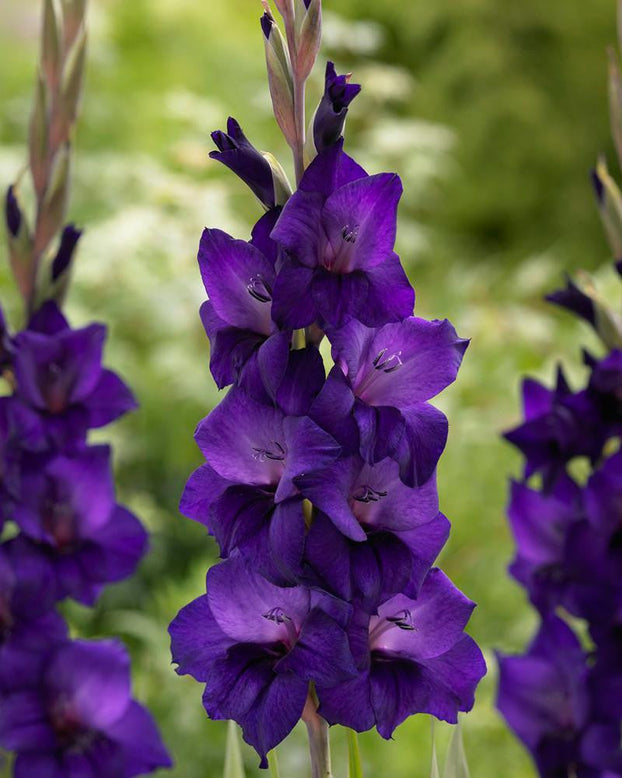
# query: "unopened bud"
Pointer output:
{"type": "Point", "coordinates": [280, 77]}
{"type": "Point", "coordinates": [20, 242]}
{"type": "Point", "coordinates": [52, 42]}
{"type": "Point", "coordinates": [62, 264]}
{"type": "Point", "coordinates": [281, 185]}
{"type": "Point", "coordinates": [609, 200]}
{"type": "Point", "coordinates": [615, 102]}
{"type": "Point", "coordinates": [330, 117]}
{"type": "Point", "coordinates": [308, 35]}
{"type": "Point", "coordinates": [74, 12]}
{"type": "Point", "coordinates": [71, 87]}
{"type": "Point", "coordinates": [38, 136]}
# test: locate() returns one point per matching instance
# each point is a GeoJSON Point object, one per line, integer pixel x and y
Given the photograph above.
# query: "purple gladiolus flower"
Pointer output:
{"type": "Point", "coordinates": [81, 720]}
{"type": "Point", "coordinates": [574, 300]}
{"type": "Point", "coordinates": [28, 624]}
{"type": "Point", "coordinates": [240, 156]}
{"type": "Point", "coordinates": [12, 212]}
{"type": "Point", "coordinates": [419, 647]}
{"type": "Point", "coordinates": [59, 374]}
{"type": "Point", "coordinates": [64, 256]}
{"type": "Point", "coordinates": [393, 371]}
{"type": "Point", "coordinates": [340, 263]}
{"type": "Point", "coordinates": [331, 113]}
{"type": "Point", "coordinates": [68, 510]}
{"type": "Point", "coordinates": [257, 646]}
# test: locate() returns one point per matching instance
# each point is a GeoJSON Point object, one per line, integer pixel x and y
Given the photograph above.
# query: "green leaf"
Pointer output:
{"type": "Point", "coordinates": [456, 763]}
{"type": "Point", "coordinates": [234, 766]}
{"type": "Point", "coordinates": [435, 772]}
{"type": "Point", "coordinates": [355, 768]}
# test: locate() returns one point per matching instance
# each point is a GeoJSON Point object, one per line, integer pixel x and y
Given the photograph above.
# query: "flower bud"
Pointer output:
{"type": "Point", "coordinates": [20, 242]}
{"type": "Point", "coordinates": [38, 135]}
{"type": "Point", "coordinates": [240, 156]}
{"type": "Point", "coordinates": [280, 77]}
{"type": "Point", "coordinates": [55, 201]}
{"type": "Point", "coordinates": [60, 270]}
{"type": "Point", "coordinates": [330, 116]}
{"type": "Point", "coordinates": [308, 35]}
{"type": "Point", "coordinates": [615, 102]}
{"type": "Point", "coordinates": [74, 12]}
{"type": "Point", "coordinates": [609, 200]}
{"type": "Point", "coordinates": [71, 87]}
{"type": "Point", "coordinates": [51, 42]}
{"type": "Point", "coordinates": [282, 187]}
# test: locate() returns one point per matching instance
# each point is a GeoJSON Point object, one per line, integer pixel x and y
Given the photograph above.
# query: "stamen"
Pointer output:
{"type": "Point", "coordinates": [277, 615]}
{"type": "Point", "coordinates": [275, 455]}
{"type": "Point", "coordinates": [368, 494]}
{"type": "Point", "coordinates": [350, 234]}
{"type": "Point", "coordinates": [390, 364]}
{"type": "Point", "coordinates": [259, 289]}
{"type": "Point", "coordinates": [403, 620]}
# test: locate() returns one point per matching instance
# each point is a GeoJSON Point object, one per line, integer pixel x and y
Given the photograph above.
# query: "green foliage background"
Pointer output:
{"type": "Point", "coordinates": [492, 112]}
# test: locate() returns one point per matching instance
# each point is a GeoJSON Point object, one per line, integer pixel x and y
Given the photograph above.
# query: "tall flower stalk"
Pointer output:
{"type": "Point", "coordinates": [563, 697]}
{"type": "Point", "coordinates": [319, 479]}
{"type": "Point", "coordinates": [65, 705]}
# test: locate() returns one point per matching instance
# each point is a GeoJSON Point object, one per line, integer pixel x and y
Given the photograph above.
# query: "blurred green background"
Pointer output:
{"type": "Point", "coordinates": [492, 112]}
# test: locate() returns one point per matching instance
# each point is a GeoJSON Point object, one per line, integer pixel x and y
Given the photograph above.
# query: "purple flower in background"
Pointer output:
{"type": "Point", "coordinates": [559, 425]}
{"type": "Point", "coordinates": [392, 372]}
{"type": "Point", "coordinates": [340, 263]}
{"type": "Point", "coordinates": [29, 626]}
{"type": "Point", "coordinates": [330, 117]}
{"type": "Point", "coordinates": [257, 646]}
{"type": "Point", "coordinates": [66, 249]}
{"type": "Point", "coordinates": [574, 300]}
{"type": "Point", "coordinates": [544, 698]}
{"type": "Point", "coordinates": [59, 373]}
{"type": "Point", "coordinates": [12, 213]}
{"type": "Point", "coordinates": [416, 646]}
{"type": "Point", "coordinates": [68, 510]}
{"type": "Point", "coordinates": [81, 720]}
{"type": "Point", "coordinates": [240, 156]}
{"type": "Point", "coordinates": [605, 389]}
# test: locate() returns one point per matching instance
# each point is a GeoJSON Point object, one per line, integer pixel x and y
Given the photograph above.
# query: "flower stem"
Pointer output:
{"type": "Point", "coordinates": [299, 94]}
{"type": "Point", "coordinates": [319, 746]}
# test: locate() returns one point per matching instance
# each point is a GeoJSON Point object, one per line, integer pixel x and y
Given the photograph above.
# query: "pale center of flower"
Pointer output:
{"type": "Point", "coordinates": [384, 363]}
{"type": "Point", "coordinates": [339, 258]}
{"type": "Point", "coordinates": [403, 620]}
{"type": "Point", "coordinates": [276, 453]}
{"type": "Point", "coordinates": [259, 289]}
{"type": "Point", "coordinates": [288, 634]}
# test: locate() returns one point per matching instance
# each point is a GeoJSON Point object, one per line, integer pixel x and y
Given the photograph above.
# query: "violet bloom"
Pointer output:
{"type": "Point", "coordinates": [246, 495]}
{"type": "Point", "coordinates": [340, 263]}
{"type": "Point", "coordinates": [559, 425]}
{"type": "Point", "coordinates": [12, 212]}
{"type": "Point", "coordinates": [240, 156]}
{"type": "Point", "coordinates": [419, 660]}
{"type": "Point", "coordinates": [372, 536]}
{"type": "Point", "coordinates": [393, 371]}
{"type": "Point", "coordinates": [330, 117]}
{"type": "Point", "coordinates": [58, 372]}
{"type": "Point", "coordinates": [605, 389]}
{"type": "Point", "coordinates": [29, 626]}
{"type": "Point", "coordinates": [543, 696]}
{"type": "Point", "coordinates": [256, 647]}
{"type": "Point", "coordinates": [239, 278]}
{"type": "Point", "coordinates": [67, 508]}
{"type": "Point", "coordinates": [81, 720]}
{"type": "Point", "coordinates": [574, 300]}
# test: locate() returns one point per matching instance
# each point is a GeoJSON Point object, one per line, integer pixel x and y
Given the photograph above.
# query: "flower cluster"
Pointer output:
{"type": "Point", "coordinates": [563, 698]}
{"type": "Point", "coordinates": [319, 486]}
{"type": "Point", "coordinates": [64, 705]}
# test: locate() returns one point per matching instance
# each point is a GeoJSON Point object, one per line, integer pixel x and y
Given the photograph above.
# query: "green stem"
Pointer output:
{"type": "Point", "coordinates": [319, 746]}
{"type": "Point", "coordinates": [299, 95]}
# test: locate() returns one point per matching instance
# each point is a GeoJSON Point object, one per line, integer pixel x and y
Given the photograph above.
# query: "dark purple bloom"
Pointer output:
{"type": "Point", "coordinates": [543, 696]}
{"type": "Point", "coordinates": [68, 510]}
{"type": "Point", "coordinates": [418, 660]}
{"type": "Point", "coordinates": [257, 647]}
{"type": "Point", "coordinates": [240, 156]}
{"type": "Point", "coordinates": [575, 301]}
{"type": "Point", "coordinates": [605, 389]}
{"type": "Point", "coordinates": [331, 113]}
{"type": "Point", "coordinates": [559, 425]}
{"type": "Point", "coordinates": [339, 246]}
{"type": "Point", "coordinates": [239, 278]}
{"type": "Point", "coordinates": [393, 371]}
{"type": "Point", "coordinates": [64, 256]}
{"type": "Point", "coordinates": [29, 626]}
{"type": "Point", "coordinates": [12, 212]}
{"type": "Point", "coordinates": [81, 720]}
{"type": "Point", "coordinates": [59, 374]}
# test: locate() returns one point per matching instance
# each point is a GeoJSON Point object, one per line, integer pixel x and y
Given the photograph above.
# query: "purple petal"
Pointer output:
{"type": "Point", "coordinates": [110, 399]}
{"type": "Point", "coordinates": [348, 704]}
{"type": "Point", "coordinates": [330, 171]}
{"type": "Point", "coordinates": [202, 490]}
{"type": "Point", "coordinates": [115, 549]}
{"type": "Point", "coordinates": [24, 724]}
{"type": "Point", "coordinates": [390, 296]}
{"type": "Point", "coordinates": [196, 639]}
{"type": "Point", "coordinates": [308, 448]}
{"type": "Point", "coordinates": [337, 296]}
{"type": "Point", "coordinates": [136, 732]}
{"type": "Point", "coordinates": [299, 231]}
{"type": "Point", "coordinates": [425, 435]}
{"type": "Point", "coordinates": [293, 304]}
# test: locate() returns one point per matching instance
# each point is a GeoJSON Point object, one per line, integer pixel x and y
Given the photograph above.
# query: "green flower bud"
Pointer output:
{"type": "Point", "coordinates": [38, 135]}
{"type": "Point", "coordinates": [56, 199]}
{"type": "Point", "coordinates": [609, 199]}
{"type": "Point", "coordinates": [280, 77]}
{"type": "Point", "coordinates": [282, 187]}
{"type": "Point", "coordinates": [308, 35]}
{"type": "Point", "coordinates": [52, 42]}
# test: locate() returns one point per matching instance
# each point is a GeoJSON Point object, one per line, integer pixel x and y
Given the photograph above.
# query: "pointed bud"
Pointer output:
{"type": "Point", "coordinates": [240, 156]}
{"type": "Point", "coordinates": [280, 78]}
{"type": "Point", "coordinates": [609, 200]}
{"type": "Point", "coordinates": [20, 242]}
{"type": "Point", "coordinates": [51, 42]}
{"type": "Point", "coordinates": [285, 8]}
{"type": "Point", "coordinates": [74, 13]}
{"type": "Point", "coordinates": [308, 35]}
{"type": "Point", "coordinates": [60, 271]}
{"type": "Point", "coordinates": [330, 116]}
{"type": "Point", "coordinates": [55, 202]}
{"type": "Point", "coordinates": [282, 187]}
{"type": "Point", "coordinates": [38, 135]}
{"type": "Point", "coordinates": [615, 102]}
{"type": "Point", "coordinates": [73, 79]}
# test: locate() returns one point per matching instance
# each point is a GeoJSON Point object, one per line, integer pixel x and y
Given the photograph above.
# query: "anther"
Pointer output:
{"type": "Point", "coordinates": [350, 234]}
{"type": "Point", "coordinates": [403, 620]}
{"type": "Point", "coordinates": [367, 494]}
{"type": "Point", "coordinates": [259, 289]}
{"type": "Point", "coordinates": [276, 455]}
